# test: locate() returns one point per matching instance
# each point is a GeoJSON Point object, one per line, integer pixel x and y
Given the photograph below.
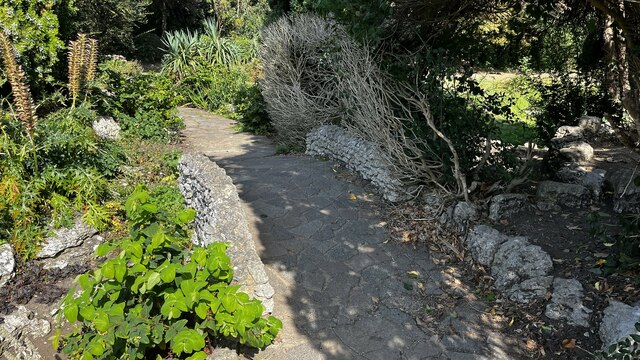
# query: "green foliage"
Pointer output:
{"type": "Point", "coordinates": [626, 349]}
{"type": "Point", "coordinates": [217, 74]}
{"type": "Point", "coordinates": [112, 22]}
{"type": "Point", "coordinates": [149, 48]}
{"type": "Point", "coordinates": [625, 245]}
{"type": "Point", "coordinates": [33, 29]}
{"type": "Point", "coordinates": [468, 115]}
{"type": "Point", "coordinates": [49, 179]}
{"type": "Point", "coordinates": [143, 103]}
{"type": "Point", "coordinates": [155, 297]}
{"type": "Point", "coordinates": [214, 87]}
{"type": "Point", "coordinates": [566, 97]}
{"type": "Point", "coordinates": [251, 111]}
{"type": "Point", "coordinates": [188, 51]}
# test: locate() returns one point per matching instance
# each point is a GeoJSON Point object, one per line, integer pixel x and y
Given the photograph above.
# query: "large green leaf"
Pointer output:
{"type": "Point", "coordinates": [187, 341]}
{"type": "Point", "coordinates": [71, 313]}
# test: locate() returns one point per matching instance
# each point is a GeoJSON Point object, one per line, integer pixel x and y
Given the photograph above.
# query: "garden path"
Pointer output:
{"type": "Point", "coordinates": [342, 288]}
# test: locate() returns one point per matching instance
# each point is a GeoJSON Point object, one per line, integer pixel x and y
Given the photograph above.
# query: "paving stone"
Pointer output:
{"type": "Point", "coordinates": [339, 289]}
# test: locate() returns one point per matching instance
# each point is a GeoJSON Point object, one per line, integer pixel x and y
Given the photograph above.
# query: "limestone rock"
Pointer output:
{"type": "Point", "coordinates": [460, 215]}
{"type": "Point", "coordinates": [577, 152]}
{"type": "Point", "coordinates": [566, 303]}
{"type": "Point", "coordinates": [359, 155]}
{"type": "Point", "coordinates": [80, 255]}
{"type": "Point", "coordinates": [567, 134]}
{"type": "Point", "coordinates": [483, 242]}
{"type": "Point", "coordinates": [593, 180]}
{"type": "Point", "coordinates": [618, 322]}
{"type": "Point", "coordinates": [626, 195]}
{"type": "Point", "coordinates": [505, 205]}
{"type": "Point", "coordinates": [210, 191]}
{"type": "Point", "coordinates": [223, 353]}
{"type": "Point", "coordinates": [7, 263]}
{"type": "Point", "coordinates": [522, 270]}
{"type": "Point", "coordinates": [571, 195]}
{"type": "Point", "coordinates": [591, 124]}
{"type": "Point", "coordinates": [106, 128]}
{"type": "Point", "coordinates": [16, 330]}
{"type": "Point", "coordinates": [66, 238]}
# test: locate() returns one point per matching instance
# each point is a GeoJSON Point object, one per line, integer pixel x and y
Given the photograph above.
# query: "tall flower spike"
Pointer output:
{"type": "Point", "coordinates": [75, 67]}
{"type": "Point", "coordinates": [25, 107]}
{"type": "Point", "coordinates": [92, 59]}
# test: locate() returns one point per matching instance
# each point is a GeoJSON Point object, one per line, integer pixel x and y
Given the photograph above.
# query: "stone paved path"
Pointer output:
{"type": "Point", "coordinates": [342, 289]}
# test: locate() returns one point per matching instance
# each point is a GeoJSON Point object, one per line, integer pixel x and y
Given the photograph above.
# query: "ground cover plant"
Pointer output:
{"type": "Point", "coordinates": [157, 296]}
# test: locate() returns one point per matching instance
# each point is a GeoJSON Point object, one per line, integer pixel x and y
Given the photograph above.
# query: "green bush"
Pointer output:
{"type": "Point", "coordinates": [565, 98]}
{"type": "Point", "coordinates": [33, 29]}
{"type": "Point", "coordinates": [214, 87]}
{"type": "Point", "coordinates": [113, 22]}
{"type": "Point", "coordinates": [155, 297]}
{"type": "Point", "coordinates": [144, 104]}
{"type": "Point", "coordinates": [48, 179]}
{"type": "Point", "coordinates": [149, 48]}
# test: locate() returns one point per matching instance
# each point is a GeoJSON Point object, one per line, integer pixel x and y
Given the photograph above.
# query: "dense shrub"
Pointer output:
{"type": "Point", "coordinates": [144, 104]}
{"type": "Point", "coordinates": [564, 98]}
{"type": "Point", "coordinates": [33, 29]}
{"type": "Point", "coordinates": [217, 74]}
{"type": "Point", "coordinates": [50, 178]}
{"type": "Point", "coordinates": [158, 297]}
{"type": "Point", "coordinates": [148, 48]}
{"type": "Point", "coordinates": [113, 22]}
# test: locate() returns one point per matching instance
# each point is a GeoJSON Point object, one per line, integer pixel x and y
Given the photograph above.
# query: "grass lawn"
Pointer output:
{"type": "Point", "coordinates": [521, 128]}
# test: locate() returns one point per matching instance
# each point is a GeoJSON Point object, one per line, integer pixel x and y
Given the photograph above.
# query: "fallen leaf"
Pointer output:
{"type": "Point", "coordinates": [601, 262]}
{"type": "Point", "coordinates": [406, 236]}
{"type": "Point", "coordinates": [531, 345]}
{"type": "Point", "coordinates": [413, 274]}
{"type": "Point", "coordinates": [597, 285]}
{"type": "Point", "coordinates": [569, 343]}
{"type": "Point", "coordinates": [353, 197]}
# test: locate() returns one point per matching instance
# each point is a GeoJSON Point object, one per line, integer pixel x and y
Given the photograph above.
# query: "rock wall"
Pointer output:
{"type": "Point", "coordinates": [207, 189]}
{"type": "Point", "coordinates": [359, 155]}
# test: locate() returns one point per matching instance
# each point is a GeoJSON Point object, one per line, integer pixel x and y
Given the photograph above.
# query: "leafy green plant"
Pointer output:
{"type": "Point", "coordinates": [33, 27]}
{"type": "Point", "coordinates": [180, 50]}
{"type": "Point", "coordinates": [565, 98]}
{"type": "Point", "coordinates": [143, 103]}
{"type": "Point", "coordinates": [68, 177]}
{"type": "Point", "coordinates": [156, 298]}
{"type": "Point", "coordinates": [626, 349]}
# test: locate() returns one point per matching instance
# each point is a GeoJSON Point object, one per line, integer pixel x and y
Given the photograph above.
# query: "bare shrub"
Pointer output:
{"type": "Point", "coordinates": [315, 74]}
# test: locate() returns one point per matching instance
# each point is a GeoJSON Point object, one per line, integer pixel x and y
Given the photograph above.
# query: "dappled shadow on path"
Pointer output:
{"type": "Point", "coordinates": [343, 290]}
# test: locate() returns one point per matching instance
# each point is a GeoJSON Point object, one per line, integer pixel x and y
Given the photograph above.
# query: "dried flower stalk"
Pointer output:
{"type": "Point", "coordinates": [25, 108]}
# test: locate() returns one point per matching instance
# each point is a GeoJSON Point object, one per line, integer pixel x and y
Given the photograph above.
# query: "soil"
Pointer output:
{"type": "Point", "coordinates": [579, 242]}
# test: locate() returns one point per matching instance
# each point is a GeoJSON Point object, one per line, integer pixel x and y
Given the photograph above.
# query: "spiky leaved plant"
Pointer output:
{"type": "Point", "coordinates": [25, 108]}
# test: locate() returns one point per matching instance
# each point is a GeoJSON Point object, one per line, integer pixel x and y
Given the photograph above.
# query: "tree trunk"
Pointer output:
{"type": "Point", "coordinates": [164, 18]}
{"type": "Point", "coordinates": [621, 37]}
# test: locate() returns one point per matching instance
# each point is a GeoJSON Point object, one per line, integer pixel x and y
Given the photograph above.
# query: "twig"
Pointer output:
{"type": "Point", "coordinates": [630, 180]}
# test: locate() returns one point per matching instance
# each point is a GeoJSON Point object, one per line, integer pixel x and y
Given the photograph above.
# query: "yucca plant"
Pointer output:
{"type": "Point", "coordinates": [82, 63]}
{"type": "Point", "coordinates": [180, 50]}
{"type": "Point", "coordinates": [215, 49]}
{"type": "Point", "coordinates": [25, 108]}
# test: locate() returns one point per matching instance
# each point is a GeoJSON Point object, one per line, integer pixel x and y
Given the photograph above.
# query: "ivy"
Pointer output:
{"type": "Point", "coordinates": [156, 298]}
